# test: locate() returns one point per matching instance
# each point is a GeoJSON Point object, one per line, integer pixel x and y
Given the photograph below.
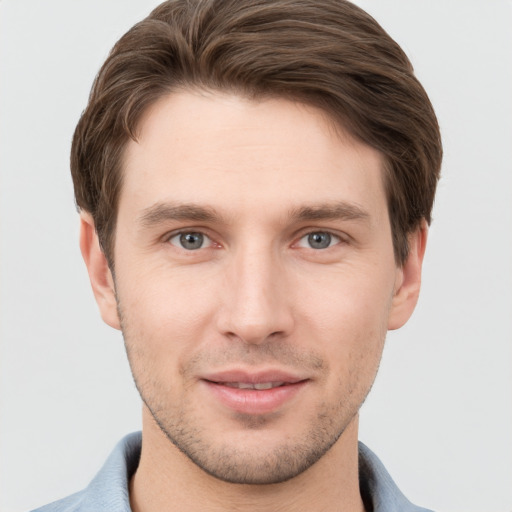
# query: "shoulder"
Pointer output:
{"type": "Point", "coordinates": [379, 491]}
{"type": "Point", "coordinates": [69, 504]}
{"type": "Point", "coordinates": [108, 491]}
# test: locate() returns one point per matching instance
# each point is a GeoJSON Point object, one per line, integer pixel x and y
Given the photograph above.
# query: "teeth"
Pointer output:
{"type": "Point", "coordinates": [249, 385]}
{"type": "Point", "coordinates": [265, 385]}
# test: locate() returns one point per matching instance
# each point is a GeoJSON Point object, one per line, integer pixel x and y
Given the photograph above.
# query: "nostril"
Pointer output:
{"type": "Point", "coordinates": [253, 336]}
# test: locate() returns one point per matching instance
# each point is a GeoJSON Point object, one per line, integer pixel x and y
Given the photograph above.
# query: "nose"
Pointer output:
{"type": "Point", "coordinates": [255, 303]}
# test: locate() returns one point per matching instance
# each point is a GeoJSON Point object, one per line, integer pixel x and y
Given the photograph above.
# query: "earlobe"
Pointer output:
{"type": "Point", "coordinates": [100, 275]}
{"type": "Point", "coordinates": [408, 281]}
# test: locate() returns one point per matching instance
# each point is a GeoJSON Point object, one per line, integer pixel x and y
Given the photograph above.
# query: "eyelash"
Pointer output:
{"type": "Point", "coordinates": [172, 236]}
{"type": "Point", "coordinates": [330, 238]}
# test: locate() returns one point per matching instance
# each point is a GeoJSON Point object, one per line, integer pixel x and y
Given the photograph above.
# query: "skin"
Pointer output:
{"type": "Point", "coordinates": [255, 179]}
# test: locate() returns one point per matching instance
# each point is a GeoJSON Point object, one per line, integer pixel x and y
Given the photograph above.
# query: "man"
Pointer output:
{"type": "Point", "coordinates": [255, 180]}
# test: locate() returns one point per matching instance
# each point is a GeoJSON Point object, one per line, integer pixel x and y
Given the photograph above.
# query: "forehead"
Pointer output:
{"type": "Point", "coordinates": [234, 153]}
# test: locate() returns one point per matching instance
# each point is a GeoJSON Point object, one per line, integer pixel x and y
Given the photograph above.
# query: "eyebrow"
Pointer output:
{"type": "Point", "coordinates": [335, 211]}
{"type": "Point", "coordinates": [164, 212]}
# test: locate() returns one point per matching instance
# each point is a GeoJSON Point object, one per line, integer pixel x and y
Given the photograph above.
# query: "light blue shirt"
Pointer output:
{"type": "Point", "coordinates": [108, 491]}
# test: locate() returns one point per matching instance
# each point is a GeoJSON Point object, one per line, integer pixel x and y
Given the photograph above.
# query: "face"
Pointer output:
{"type": "Point", "coordinates": [255, 280]}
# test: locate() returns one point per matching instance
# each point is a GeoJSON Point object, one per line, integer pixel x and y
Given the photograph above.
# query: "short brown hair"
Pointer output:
{"type": "Point", "coordinates": [326, 53]}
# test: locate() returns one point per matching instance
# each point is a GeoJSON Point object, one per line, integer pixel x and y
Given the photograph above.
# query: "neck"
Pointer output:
{"type": "Point", "coordinates": [167, 480]}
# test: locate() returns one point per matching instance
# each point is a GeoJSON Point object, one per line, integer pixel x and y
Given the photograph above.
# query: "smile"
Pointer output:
{"type": "Point", "coordinates": [253, 394]}
{"type": "Point", "coordinates": [250, 385]}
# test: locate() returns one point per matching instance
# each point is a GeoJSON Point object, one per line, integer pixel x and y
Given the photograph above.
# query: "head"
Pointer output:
{"type": "Point", "coordinates": [260, 176]}
{"type": "Point", "coordinates": [329, 54]}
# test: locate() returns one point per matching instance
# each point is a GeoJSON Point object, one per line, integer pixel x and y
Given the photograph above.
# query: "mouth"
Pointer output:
{"type": "Point", "coordinates": [249, 385]}
{"type": "Point", "coordinates": [254, 394]}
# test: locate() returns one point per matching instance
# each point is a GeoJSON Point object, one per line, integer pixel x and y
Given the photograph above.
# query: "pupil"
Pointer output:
{"type": "Point", "coordinates": [191, 240]}
{"type": "Point", "coordinates": [319, 240]}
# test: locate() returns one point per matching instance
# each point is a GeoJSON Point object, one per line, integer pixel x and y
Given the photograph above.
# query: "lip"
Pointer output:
{"type": "Point", "coordinates": [252, 401]}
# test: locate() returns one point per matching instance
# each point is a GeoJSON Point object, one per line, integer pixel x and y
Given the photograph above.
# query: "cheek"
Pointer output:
{"type": "Point", "coordinates": [163, 315]}
{"type": "Point", "coordinates": [347, 314]}
{"type": "Point", "coordinates": [163, 293]}
{"type": "Point", "coordinates": [349, 300]}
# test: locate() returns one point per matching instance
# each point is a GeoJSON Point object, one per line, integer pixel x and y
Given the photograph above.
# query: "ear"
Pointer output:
{"type": "Point", "coordinates": [100, 275]}
{"type": "Point", "coordinates": [408, 281]}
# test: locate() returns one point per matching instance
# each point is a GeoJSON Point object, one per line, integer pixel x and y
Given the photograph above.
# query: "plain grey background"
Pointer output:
{"type": "Point", "coordinates": [440, 413]}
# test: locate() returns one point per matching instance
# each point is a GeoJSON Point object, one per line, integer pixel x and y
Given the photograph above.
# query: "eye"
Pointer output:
{"type": "Point", "coordinates": [190, 240]}
{"type": "Point", "coordinates": [318, 240]}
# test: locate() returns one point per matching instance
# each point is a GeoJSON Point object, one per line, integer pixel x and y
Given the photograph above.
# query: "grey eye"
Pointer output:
{"type": "Point", "coordinates": [319, 240]}
{"type": "Point", "coordinates": [190, 241]}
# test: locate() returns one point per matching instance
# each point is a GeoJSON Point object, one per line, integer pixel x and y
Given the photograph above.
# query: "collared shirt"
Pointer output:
{"type": "Point", "coordinates": [108, 491]}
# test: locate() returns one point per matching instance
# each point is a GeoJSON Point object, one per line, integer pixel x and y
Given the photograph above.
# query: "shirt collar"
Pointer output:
{"type": "Point", "coordinates": [109, 491]}
{"type": "Point", "coordinates": [378, 490]}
